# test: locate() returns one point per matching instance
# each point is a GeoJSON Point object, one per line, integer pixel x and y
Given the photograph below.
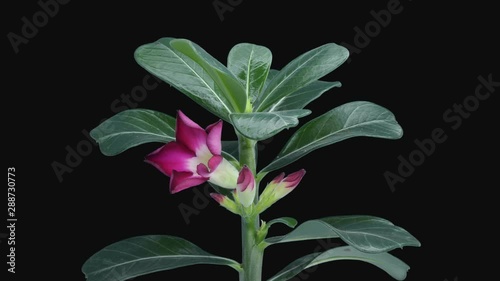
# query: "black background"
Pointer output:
{"type": "Point", "coordinates": [428, 58]}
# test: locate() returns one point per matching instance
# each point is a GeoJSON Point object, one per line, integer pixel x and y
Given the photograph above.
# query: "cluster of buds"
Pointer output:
{"type": "Point", "coordinates": [244, 194]}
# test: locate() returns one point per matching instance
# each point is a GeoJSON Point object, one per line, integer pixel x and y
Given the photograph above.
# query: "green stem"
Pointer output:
{"type": "Point", "coordinates": [247, 153]}
{"type": "Point", "coordinates": [252, 255]}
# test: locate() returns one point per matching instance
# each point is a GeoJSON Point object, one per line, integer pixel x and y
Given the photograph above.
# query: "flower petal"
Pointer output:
{"type": "Point", "coordinates": [278, 178]}
{"type": "Point", "coordinates": [245, 179]}
{"type": "Point", "coordinates": [218, 197]}
{"type": "Point", "coordinates": [202, 170]}
{"type": "Point", "coordinates": [188, 133]}
{"type": "Point", "coordinates": [214, 162]}
{"type": "Point", "coordinates": [224, 175]}
{"type": "Point", "coordinates": [245, 187]}
{"type": "Point", "coordinates": [214, 132]}
{"type": "Point", "coordinates": [184, 180]}
{"type": "Point", "coordinates": [293, 179]}
{"type": "Point", "coordinates": [172, 156]}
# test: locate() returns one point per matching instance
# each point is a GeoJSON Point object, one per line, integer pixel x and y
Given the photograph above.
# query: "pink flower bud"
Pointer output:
{"type": "Point", "coordinates": [245, 188]}
{"type": "Point", "coordinates": [278, 188]}
{"type": "Point", "coordinates": [225, 202]}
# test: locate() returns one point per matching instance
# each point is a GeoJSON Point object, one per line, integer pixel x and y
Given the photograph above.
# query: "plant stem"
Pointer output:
{"type": "Point", "coordinates": [247, 153]}
{"type": "Point", "coordinates": [252, 255]}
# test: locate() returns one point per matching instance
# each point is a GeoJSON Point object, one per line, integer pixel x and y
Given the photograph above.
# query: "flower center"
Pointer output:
{"type": "Point", "coordinates": [203, 154]}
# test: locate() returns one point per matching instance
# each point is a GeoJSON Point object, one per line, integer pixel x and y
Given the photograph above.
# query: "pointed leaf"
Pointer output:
{"type": "Point", "coordinates": [302, 97]}
{"type": "Point", "coordinates": [250, 63]}
{"type": "Point", "coordinates": [131, 128]}
{"type": "Point", "coordinates": [147, 254]}
{"type": "Point", "coordinates": [227, 82]}
{"type": "Point", "coordinates": [185, 75]}
{"type": "Point", "coordinates": [263, 125]}
{"type": "Point", "coordinates": [385, 261]}
{"type": "Point", "coordinates": [354, 119]}
{"type": "Point", "coordinates": [365, 233]}
{"type": "Point", "coordinates": [303, 70]}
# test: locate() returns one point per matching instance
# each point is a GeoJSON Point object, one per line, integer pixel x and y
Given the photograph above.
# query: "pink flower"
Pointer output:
{"type": "Point", "coordinates": [278, 188]}
{"type": "Point", "coordinates": [194, 157]}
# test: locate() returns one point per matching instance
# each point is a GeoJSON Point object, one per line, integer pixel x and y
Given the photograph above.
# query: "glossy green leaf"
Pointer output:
{"type": "Point", "coordinates": [250, 63]}
{"type": "Point", "coordinates": [270, 76]}
{"type": "Point", "coordinates": [229, 85]}
{"type": "Point", "coordinates": [288, 221]}
{"type": "Point", "coordinates": [263, 125]}
{"type": "Point", "coordinates": [365, 233]}
{"type": "Point", "coordinates": [301, 71]}
{"type": "Point", "coordinates": [354, 119]}
{"type": "Point", "coordinates": [147, 254]}
{"type": "Point", "coordinates": [185, 75]}
{"type": "Point", "coordinates": [309, 230]}
{"type": "Point", "coordinates": [230, 150]}
{"type": "Point", "coordinates": [302, 97]}
{"type": "Point", "coordinates": [385, 261]}
{"type": "Point", "coordinates": [131, 128]}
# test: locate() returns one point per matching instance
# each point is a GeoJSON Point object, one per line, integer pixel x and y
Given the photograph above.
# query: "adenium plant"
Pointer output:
{"type": "Point", "coordinates": [258, 102]}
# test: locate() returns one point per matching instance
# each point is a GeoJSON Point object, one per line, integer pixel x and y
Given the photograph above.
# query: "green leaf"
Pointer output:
{"type": "Point", "coordinates": [302, 97]}
{"type": "Point", "coordinates": [270, 76]}
{"type": "Point", "coordinates": [230, 150]}
{"type": "Point", "coordinates": [385, 261]}
{"type": "Point", "coordinates": [263, 125]}
{"type": "Point", "coordinates": [229, 85]}
{"type": "Point", "coordinates": [250, 63]}
{"type": "Point", "coordinates": [288, 221]}
{"type": "Point", "coordinates": [185, 75]}
{"type": "Point", "coordinates": [301, 71]}
{"type": "Point", "coordinates": [131, 128]}
{"type": "Point", "coordinates": [147, 254]}
{"type": "Point", "coordinates": [309, 230]}
{"type": "Point", "coordinates": [365, 233]}
{"type": "Point", "coordinates": [354, 119]}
